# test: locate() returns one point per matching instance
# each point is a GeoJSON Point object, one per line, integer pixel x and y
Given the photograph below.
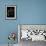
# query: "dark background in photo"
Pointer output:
{"type": "Point", "coordinates": [10, 12]}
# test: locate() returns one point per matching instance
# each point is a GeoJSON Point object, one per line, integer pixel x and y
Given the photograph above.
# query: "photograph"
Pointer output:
{"type": "Point", "coordinates": [10, 12]}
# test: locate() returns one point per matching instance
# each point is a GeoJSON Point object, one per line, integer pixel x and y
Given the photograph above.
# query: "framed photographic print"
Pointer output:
{"type": "Point", "coordinates": [10, 12]}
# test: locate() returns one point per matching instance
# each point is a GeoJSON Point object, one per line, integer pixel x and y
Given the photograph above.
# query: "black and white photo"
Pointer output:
{"type": "Point", "coordinates": [11, 12]}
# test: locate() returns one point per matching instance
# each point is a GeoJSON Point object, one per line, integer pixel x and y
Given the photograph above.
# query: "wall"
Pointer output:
{"type": "Point", "coordinates": [28, 12]}
{"type": "Point", "coordinates": [33, 12]}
